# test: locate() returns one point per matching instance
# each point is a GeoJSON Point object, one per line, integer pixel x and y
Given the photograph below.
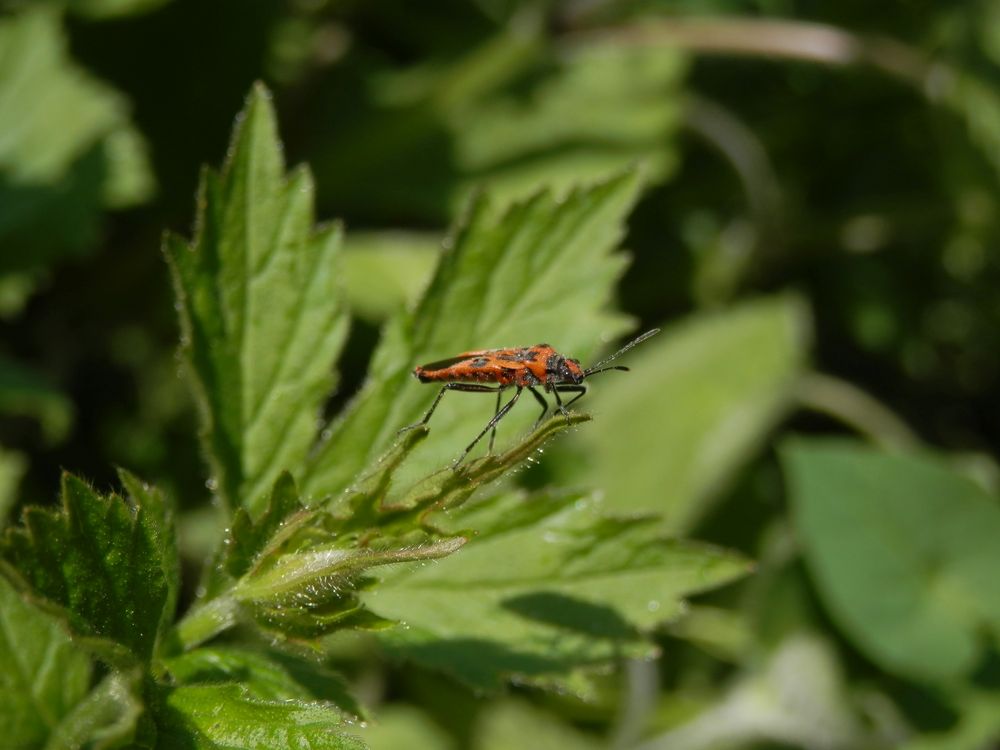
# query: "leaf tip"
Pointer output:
{"type": "Point", "coordinates": [259, 103]}
{"type": "Point", "coordinates": [69, 482]}
{"type": "Point", "coordinates": [285, 482]}
{"type": "Point", "coordinates": [259, 92]}
{"type": "Point", "coordinates": [255, 130]}
{"type": "Point", "coordinates": [126, 477]}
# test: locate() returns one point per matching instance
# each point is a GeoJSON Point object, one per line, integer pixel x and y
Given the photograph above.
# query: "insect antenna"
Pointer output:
{"type": "Point", "coordinates": [599, 367]}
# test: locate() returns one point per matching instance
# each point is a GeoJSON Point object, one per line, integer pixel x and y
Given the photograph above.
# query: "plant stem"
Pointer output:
{"type": "Point", "coordinates": [782, 39]}
{"type": "Point", "coordinates": [202, 623]}
{"type": "Point", "coordinates": [855, 408]}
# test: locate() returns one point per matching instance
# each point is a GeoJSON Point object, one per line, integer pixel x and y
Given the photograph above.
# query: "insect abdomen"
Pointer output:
{"type": "Point", "coordinates": [487, 373]}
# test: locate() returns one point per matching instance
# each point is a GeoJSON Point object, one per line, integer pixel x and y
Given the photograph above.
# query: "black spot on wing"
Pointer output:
{"type": "Point", "coordinates": [518, 355]}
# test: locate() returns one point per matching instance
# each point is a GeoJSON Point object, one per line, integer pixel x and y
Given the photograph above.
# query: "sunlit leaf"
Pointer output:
{"type": "Point", "coordinates": [249, 538]}
{"type": "Point", "coordinates": [261, 311]}
{"type": "Point", "coordinates": [723, 633]}
{"type": "Point", "coordinates": [266, 675]}
{"type": "Point", "coordinates": [506, 724]}
{"type": "Point", "coordinates": [445, 490]}
{"type": "Point", "coordinates": [697, 403]}
{"type": "Point", "coordinates": [110, 716]}
{"type": "Point", "coordinates": [68, 148]}
{"type": "Point", "coordinates": [386, 271]}
{"type": "Point", "coordinates": [104, 563]}
{"type": "Point", "coordinates": [228, 715]}
{"type": "Point", "coordinates": [42, 674]}
{"type": "Point", "coordinates": [903, 551]}
{"type": "Point", "coordinates": [404, 726]}
{"type": "Point", "coordinates": [297, 572]}
{"type": "Point", "coordinates": [314, 591]}
{"type": "Point", "coordinates": [546, 586]}
{"type": "Point", "coordinates": [543, 270]}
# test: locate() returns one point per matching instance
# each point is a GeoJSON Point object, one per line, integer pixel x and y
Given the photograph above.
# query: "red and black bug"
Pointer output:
{"type": "Point", "coordinates": [528, 368]}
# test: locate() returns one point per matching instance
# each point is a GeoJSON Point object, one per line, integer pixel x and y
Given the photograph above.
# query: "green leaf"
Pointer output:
{"type": "Point", "coordinates": [398, 726]}
{"type": "Point", "coordinates": [313, 591]}
{"type": "Point", "coordinates": [266, 675]}
{"type": "Point", "coordinates": [509, 114]}
{"type": "Point", "coordinates": [300, 571]}
{"type": "Point", "coordinates": [105, 564]}
{"type": "Point", "coordinates": [230, 717]}
{"type": "Point", "coordinates": [723, 633]}
{"type": "Point", "coordinates": [44, 682]}
{"type": "Point", "coordinates": [697, 403]}
{"type": "Point", "coordinates": [362, 505]}
{"type": "Point", "coordinates": [297, 571]}
{"type": "Point", "coordinates": [247, 542]}
{"type": "Point", "coordinates": [43, 675]}
{"type": "Point", "coordinates": [601, 109]}
{"type": "Point", "coordinates": [248, 539]}
{"type": "Point", "coordinates": [160, 520]}
{"type": "Point", "coordinates": [546, 586]}
{"type": "Point", "coordinates": [903, 551]}
{"type": "Point", "coordinates": [67, 150]}
{"type": "Point", "coordinates": [384, 272]}
{"type": "Point", "coordinates": [504, 725]}
{"type": "Point", "coordinates": [110, 716]}
{"type": "Point", "coordinates": [543, 270]}
{"type": "Point", "coordinates": [445, 490]}
{"type": "Point", "coordinates": [260, 310]}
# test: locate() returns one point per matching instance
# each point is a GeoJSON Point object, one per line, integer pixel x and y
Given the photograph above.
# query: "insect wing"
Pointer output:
{"type": "Point", "coordinates": [464, 359]}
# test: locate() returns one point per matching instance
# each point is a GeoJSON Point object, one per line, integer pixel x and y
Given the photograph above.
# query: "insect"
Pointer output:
{"type": "Point", "coordinates": [523, 369]}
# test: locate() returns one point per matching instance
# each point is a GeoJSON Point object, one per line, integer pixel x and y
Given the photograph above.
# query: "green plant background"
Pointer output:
{"type": "Point", "coordinates": [804, 196]}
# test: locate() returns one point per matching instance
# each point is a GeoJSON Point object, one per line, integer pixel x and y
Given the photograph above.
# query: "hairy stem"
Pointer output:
{"type": "Point", "coordinates": [202, 623]}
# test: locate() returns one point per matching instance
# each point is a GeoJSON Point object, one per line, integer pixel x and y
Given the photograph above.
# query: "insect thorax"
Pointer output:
{"type": "Point", "coordinates": [559, 370]}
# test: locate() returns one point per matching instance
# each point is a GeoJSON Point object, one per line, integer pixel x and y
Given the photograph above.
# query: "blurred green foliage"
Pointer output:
{"type": "Point", "coordinates": [815, 224]}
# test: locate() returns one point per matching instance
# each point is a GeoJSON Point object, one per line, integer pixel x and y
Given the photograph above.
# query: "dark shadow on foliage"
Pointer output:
{"type": "Point", "coordinates": [477, 661]}
{"type": "Point", "coordinates": [563, 611]}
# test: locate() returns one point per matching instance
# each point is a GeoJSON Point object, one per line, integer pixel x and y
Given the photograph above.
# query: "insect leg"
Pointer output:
{"type": "Point", "coordinates": [541, 400]}
{"type": "Point", "coordinates": [493, 434]}
{"type": "Point", "coordinates": [579, 390]}
{"type": "Point", "coordinates": [492, 423]}
{"type": "Point", "coordinates": [466, 387]}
